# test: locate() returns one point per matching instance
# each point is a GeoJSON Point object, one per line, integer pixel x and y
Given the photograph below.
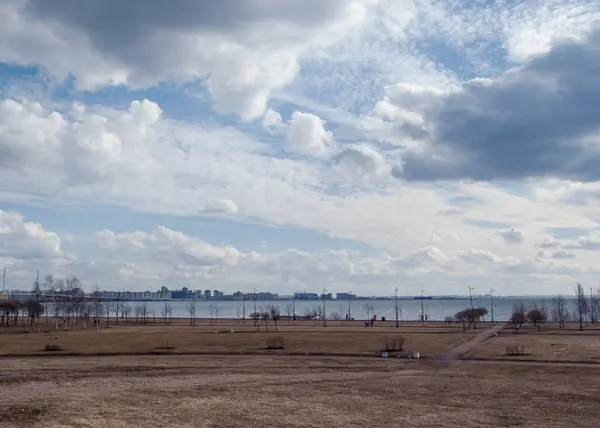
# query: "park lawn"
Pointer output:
{"type": "Point", "coordinates": [549, 344]}
{"type": "Point", "coordinates": [263, 391]}
{"type": "Point", "coordinates": [217, 338]}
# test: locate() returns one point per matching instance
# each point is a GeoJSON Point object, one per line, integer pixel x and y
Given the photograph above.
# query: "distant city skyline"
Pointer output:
{"type": "Point", "coordinates": [350, 144]}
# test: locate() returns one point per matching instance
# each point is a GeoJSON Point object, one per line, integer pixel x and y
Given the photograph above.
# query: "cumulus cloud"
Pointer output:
{"type": "Point", "coordinates": [369, 90]}
{"type": "Point", "coordinates": [550, 243]}
{"type": "Point", "coordinates": [477, 255]}
{"type": "Point", "coordinates": [242, 51]}
{"type": "Point", "coordinates": [535, 121]}
{"type": "Point", "coordinates": [21, 239]}
{"type": "Point", "coordinates": [222, 206]}
{"type": "Point", "coordinates": [562, 255]}
{"type": "Point", "coordinates": [305, 134]}
{"type": "Point", "coordinates": [360, 162]}
{"type": "Point", "coordinates": [512, 235]}
{"type": "Point", "coordinates": [585, 243]}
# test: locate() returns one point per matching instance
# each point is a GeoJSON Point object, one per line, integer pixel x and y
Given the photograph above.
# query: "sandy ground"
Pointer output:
{"type": "Point", "coordinates": [258, 391]}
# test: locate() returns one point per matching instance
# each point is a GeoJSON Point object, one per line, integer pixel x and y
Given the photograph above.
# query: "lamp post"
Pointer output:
{"type": "Point", "coordinates": [422, 308]}
{"type": "Point", "coordinates": [324, 309]}
{"type": "Point", "coordinates": [591, 306]}
{"type": "Point", "coordinates": [472, 309]}
{"type": "Point", "coordinates": [396, 296]}
{"type": "Point", "coordinates": [492, 303]}
{"type": "Point", "coordinates": [349, 314]}
{"type": "Point", "coordinates": [254, 314]}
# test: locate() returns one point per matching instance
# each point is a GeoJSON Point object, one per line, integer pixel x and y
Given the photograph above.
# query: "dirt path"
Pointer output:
{"type": "Point", "coordinates": [454, 354]}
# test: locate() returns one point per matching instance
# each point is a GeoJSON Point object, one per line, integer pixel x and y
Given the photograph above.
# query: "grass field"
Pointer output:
{"type": "Point", "coordinates": [253, 391]}
{"type": "Point", "coordinates": [214, 386]}
{"type": "Point", "coordinates": [550, 344]}
{"type": "Point", "coordinates": [302, 337]}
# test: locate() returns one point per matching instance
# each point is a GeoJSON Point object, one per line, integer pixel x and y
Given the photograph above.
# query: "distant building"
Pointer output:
{"type": "Point", "coordinates": [345, 296]}
{"type": "Point", "coordinates": [327, 296]}
{"type": "Point", "coordinates": [217, 295]}
{"type": "Point", "coordinates": [307, 296]}
{"type": "Point", "coordinates": [206, 294]}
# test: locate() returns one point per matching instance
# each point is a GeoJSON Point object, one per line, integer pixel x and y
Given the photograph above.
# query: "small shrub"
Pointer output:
{"type": "Point", "coordinates": [52, 348]}
{"type": "Point", "coordinates": [276, 342]}
{"type": "Point", "coordinates": [165, 345]}
{"type": "Point", "coordinates": [515, 350]}
{"type": "Point", "coordinates": [394, 345]}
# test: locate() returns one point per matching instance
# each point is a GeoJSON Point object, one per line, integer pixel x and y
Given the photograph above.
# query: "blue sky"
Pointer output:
{"type": "Point", "coordinates": [355, 143]}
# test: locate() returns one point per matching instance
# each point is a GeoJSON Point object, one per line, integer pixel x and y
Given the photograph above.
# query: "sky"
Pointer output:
{"type": "Point", "coordinates": [294, 145]}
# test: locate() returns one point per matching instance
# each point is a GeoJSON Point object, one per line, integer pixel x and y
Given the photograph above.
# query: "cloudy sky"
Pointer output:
{"type": "Point", "coordinates": [301, 144]}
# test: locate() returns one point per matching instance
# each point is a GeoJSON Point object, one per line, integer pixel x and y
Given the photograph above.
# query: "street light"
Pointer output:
{"type": "Point", "coordinates": [324, 311]}
{"type": "Point", "coordinates": [472, 309]}
{"type": "Point", "coordinates": [349, 314]}
{"type": "Point", "coordinates": [492, 303]}
{"type": "Point", "coordinates": [396, 295]}
{"type": "Point", "coordinates": [422, 308]}
{"type": "Point", "coordinates": [592, 305]}
{"type": "Point", "coordinates": [254, 317]}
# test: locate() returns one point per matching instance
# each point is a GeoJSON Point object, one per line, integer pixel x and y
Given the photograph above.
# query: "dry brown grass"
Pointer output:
{"type": "Point", "coordinates": [549, 344]}
{"type": "Point", "coordinates": [253, 391]}
{"type": "Point", "coordinates": [300, 338]}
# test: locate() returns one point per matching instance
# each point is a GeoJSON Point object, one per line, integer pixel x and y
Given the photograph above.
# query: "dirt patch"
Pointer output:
{"type": "Point", "coordinates": [23, 414]}
{"type": "Point", "coordinates": [298, 392]}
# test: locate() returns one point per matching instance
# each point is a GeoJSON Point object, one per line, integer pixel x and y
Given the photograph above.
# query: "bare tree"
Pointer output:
{"type": "Point", "coordinates": [34, 310]}
{"type": "Point", "coordinates": [138, 313]}
{"type": "Point", "coordinates": [164, 312]}
{"type": "Point", "coordinates": [581, 305]}
{"type": "Point", "coordinates": [117, 307]}
{"type": "Point", "coordinates": [74, 297]}
{"type": "Point", "coordinates": [190, 310]}
{"type": "Point", "coordinates": [537, 317]}
{"type": "Point", "coordinates": [97, 311]}
{"type": "Point", "coordinates": [559, 311]}
{"type": "Point", "coordinates": [144, 312]}
{"type": "Point", "coordinates": [108, 308]}
{"type": "Point", "coordinates": [126, 312]}
{"type": "Point", "coordinates": [212, 309]}
{"type": "Point", "coordinates": [289, 310]}
{"type": "Point", "coordinates": [256, 318]}
{"type": "Point", "coordinates": [449, 320]}
{"type": "Point", "coordinates": [517, 319]}
{"type": "Point", "coordinates": [595, 308]}
{"type": "Point", "coordinates": [265, 317]}
{"type": "Point", "coordinates": [275, 315]}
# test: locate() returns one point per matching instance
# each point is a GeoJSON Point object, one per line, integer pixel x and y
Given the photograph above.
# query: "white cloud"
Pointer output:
{"type": "Point", "coordinates": [585, 243]}
{"type": "Point", "coordinates": [512, 236]}
{"type": "Point", "coordinates": [562, 255]}
{"type": "Point", "coordinates": [21, 239]}
{"type": "Point", "coordinates": [477, 255]}
{"type": "Point", "coordinates": [304, 134]}
{"type": "Point", "coordinates": [242, 52]}
{"type": "Point", "coordinates": [362, 85]}
{"type": "Point", "coordinates": [359, 163]}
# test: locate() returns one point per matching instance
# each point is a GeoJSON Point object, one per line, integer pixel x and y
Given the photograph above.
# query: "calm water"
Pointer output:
{"type": "Point", "coordinates": [436, 310]}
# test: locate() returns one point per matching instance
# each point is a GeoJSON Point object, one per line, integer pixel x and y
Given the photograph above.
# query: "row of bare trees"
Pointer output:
{"type": "Point", "coordinates": [11, 309]}
{"type": "Point", "coordinates": [262, 317]}
{"type": "Point", "coordinates": [586, 311]}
